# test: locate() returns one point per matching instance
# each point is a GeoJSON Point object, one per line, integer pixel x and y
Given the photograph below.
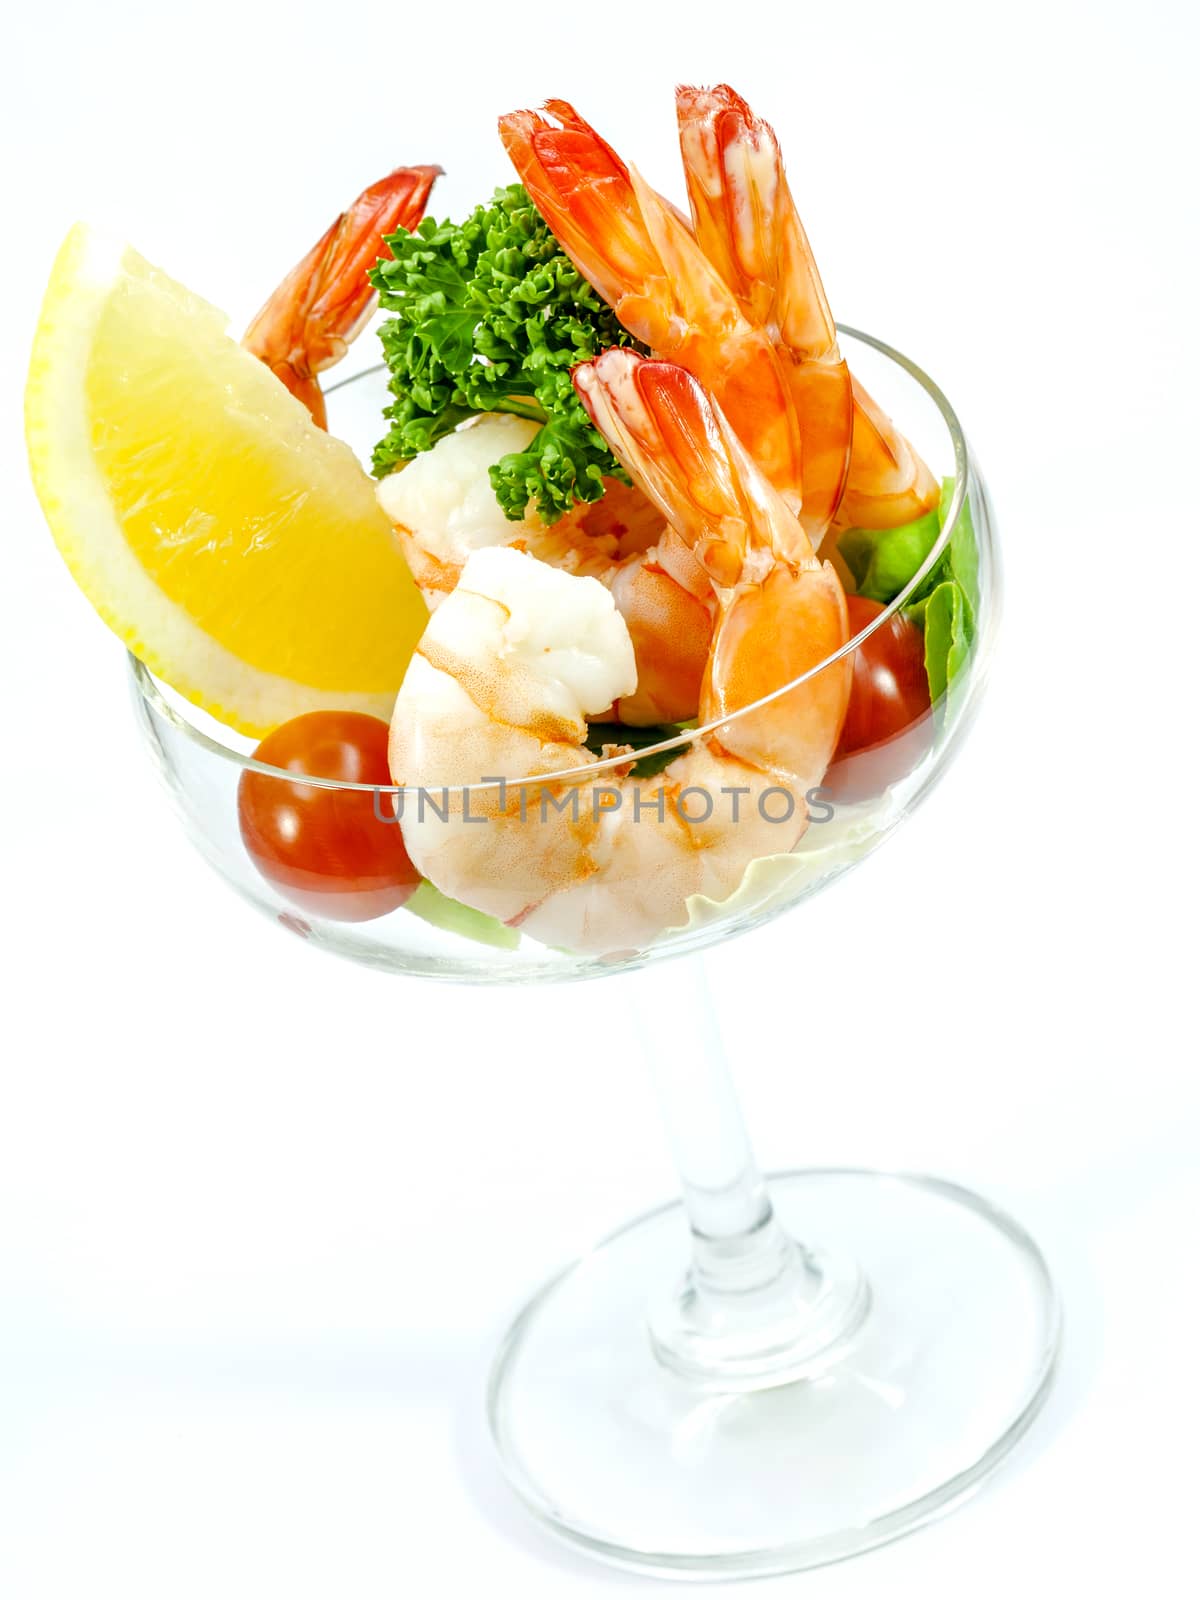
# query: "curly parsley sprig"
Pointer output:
{"type": "Point", "coordinates": [492, 316]}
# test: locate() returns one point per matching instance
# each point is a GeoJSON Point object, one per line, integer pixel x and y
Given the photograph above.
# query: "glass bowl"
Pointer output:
{"type": "Point", "coordinates": [863, 799]}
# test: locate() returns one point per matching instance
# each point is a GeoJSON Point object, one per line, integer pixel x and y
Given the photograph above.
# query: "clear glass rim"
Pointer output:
{"type": "Point", "coordinates": [149, 691]}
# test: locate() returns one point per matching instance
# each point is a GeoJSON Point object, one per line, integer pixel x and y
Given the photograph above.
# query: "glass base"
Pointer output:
{"type": "Point", "coordinates": [649, 1471]}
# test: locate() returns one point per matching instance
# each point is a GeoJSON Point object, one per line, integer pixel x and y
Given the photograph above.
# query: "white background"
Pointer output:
{"type": "Point", "coordinates": [264, 1215]}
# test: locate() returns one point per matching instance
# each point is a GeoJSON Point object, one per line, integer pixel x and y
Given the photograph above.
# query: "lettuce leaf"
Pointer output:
{"type": "Point", "coordinates": [948, 633]}
{"type": "Point", "coordinates": [962, 555]}
{"type": "Point", "coordinates": [432, 906]}
{"type": "Point", "coordinates": [948, 599]}
{"type": "Point", "coordinates": [884, 561]}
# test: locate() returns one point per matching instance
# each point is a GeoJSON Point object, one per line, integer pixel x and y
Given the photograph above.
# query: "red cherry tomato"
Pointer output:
{"type": "Point", "coordinates": [888, 727]}
{"type": "Point", "coordinates": [890, 688]}
{"type": "Point", "coordinates": [332, 851]}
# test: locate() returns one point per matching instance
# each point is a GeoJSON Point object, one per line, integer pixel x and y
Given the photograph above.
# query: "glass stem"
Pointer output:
{"type": "Point", "coordinates": [734, 1231]}
{"type": "Point", "coordinates": [756, 1308]}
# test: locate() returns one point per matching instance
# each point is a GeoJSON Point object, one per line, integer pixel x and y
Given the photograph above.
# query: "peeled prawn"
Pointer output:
{"type": "Point", "coordinates": [747, 224]}
{"type": "Point", "coordinates": [443, 508]}
{"type": "Point", "coordinates": [520, 654]}
{"type": "Point", "coordinates": [323, 303]}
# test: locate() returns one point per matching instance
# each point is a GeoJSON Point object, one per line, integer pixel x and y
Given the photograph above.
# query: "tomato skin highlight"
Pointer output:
{"type": "Point", "coordinates": [888, 726]}
{"type": "Point", "coordinates": [333, 852]}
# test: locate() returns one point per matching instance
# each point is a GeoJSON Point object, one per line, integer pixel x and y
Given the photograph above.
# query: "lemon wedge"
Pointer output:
{"type": "Point", "coordinates": [233, 546]}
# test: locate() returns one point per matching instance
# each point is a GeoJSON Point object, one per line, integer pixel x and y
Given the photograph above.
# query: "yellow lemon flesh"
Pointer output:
{"type": "Point", "coordinates": [235, 548]}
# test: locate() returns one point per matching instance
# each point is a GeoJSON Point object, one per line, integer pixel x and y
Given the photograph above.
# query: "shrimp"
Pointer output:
{"type": "Point", "coordinates": [640, 255]}
{"type": "Point", "coordinates": [746, 222]}
{"type": "Point", "coordinates": [747, 225]}
{"type": "Point", "coordinates": [888, 483]}
{"type": "Point", "coordinates": [520, 654]}
{"type": "Point", "coordinates": [443, 507]}
{"type": "Point", "coordinates": [323, 303]}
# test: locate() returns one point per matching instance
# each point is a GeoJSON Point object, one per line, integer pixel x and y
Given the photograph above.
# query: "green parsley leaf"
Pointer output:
{"type": "Point", "coordinates": [490, 315]}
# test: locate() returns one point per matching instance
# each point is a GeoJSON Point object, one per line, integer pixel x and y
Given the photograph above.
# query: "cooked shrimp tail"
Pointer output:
{"type": "Point", "coordinates": [585, 192]}
{"type": "Point", "coordinates": [640, 255]}
{"type": "Point", "coordinates": [747, 223]}
{"type": "Point", "coordinates": [321, 306]}
{"type": "Point", "coordinates": [781, 611]}
{"type": "Point", "coordinates": [748, 226]}
{"type": "Point", "coordinates": [888, 483]}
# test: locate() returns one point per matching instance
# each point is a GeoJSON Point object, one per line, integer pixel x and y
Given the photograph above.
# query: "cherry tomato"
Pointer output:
{"type": "Point", "coordinates": [888, 727]}
{"type": "Point", "coordinates": [890, 688]}
{"type": "Point", "coordinates": [331, 851]}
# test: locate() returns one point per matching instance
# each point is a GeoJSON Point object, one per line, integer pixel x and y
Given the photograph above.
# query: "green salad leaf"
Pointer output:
{"type": "Point", "coordinates": [490, 315]}
{"type": "Point", "coordinates": [947, 601]}
{"type": "Point", "coordinates": [948, 632]}
{"type": "Point", "coordinates": [963, 553]}
{"type": "Point", "coordinates": [432, 906]}
{"type": "Point", "coordinates": [884, 561]}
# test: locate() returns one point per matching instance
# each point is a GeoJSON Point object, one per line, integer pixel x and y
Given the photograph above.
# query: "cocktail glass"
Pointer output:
{"type": "Point", "coordinates": [761, 1376]}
